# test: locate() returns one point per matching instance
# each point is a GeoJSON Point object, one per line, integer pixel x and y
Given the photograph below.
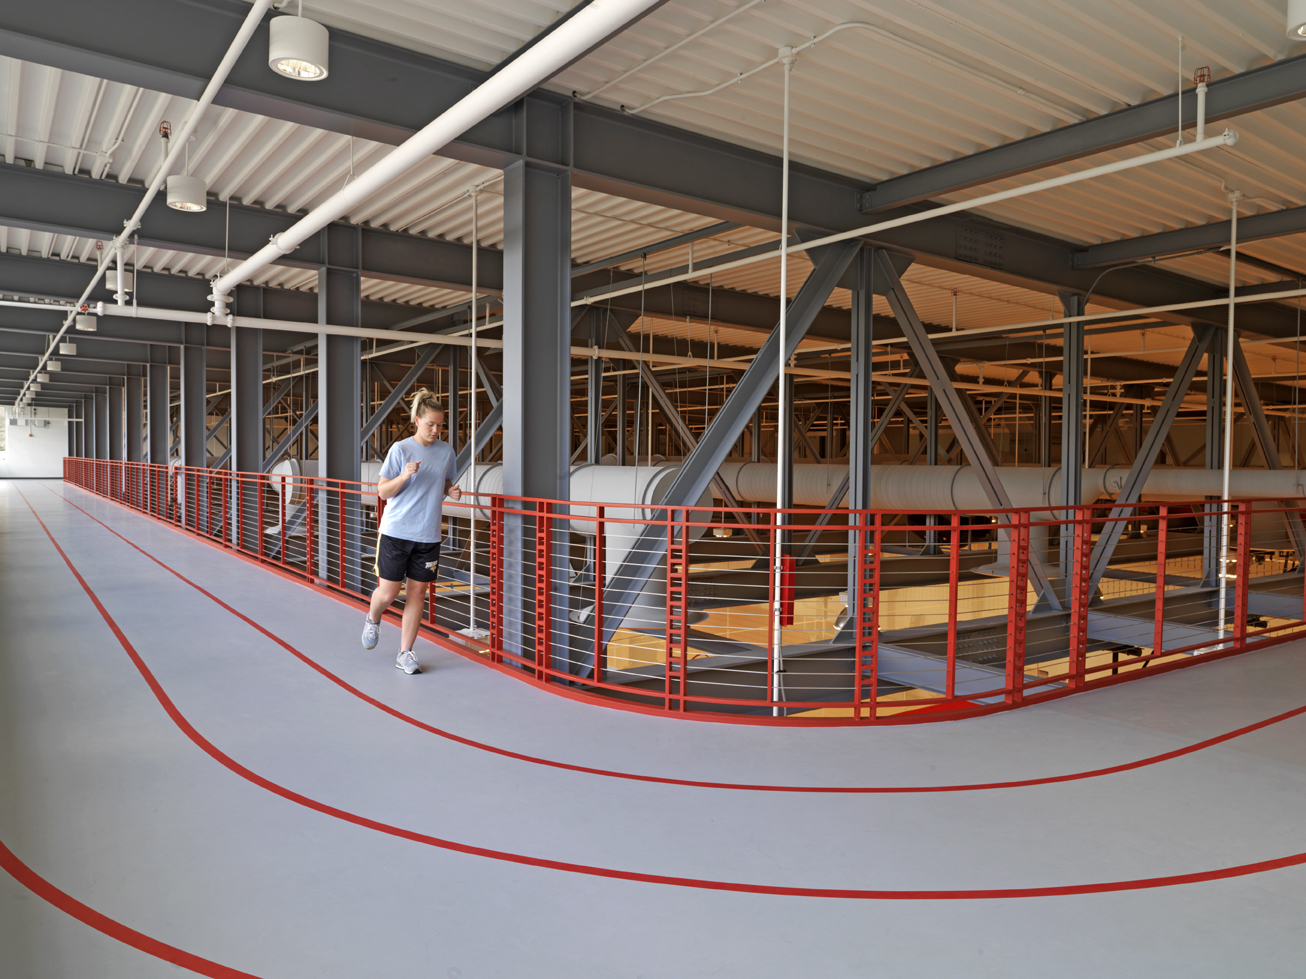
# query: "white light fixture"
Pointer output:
{"type": "Point", "coordinates": [1297, 20]}
{"type": "Point", "coordinates": [67, 350]}
{"type": "Point", "coordinates": [43, 377]}
{"type": "Point", "coordinates": [87, 324]}
{"type": "Point", "coordinates": [111, 281]}
{"type": "Point", "coordinates": [187, 193]}
{"type": "Point", "coordinates": [297, 47]}
{"type": "Point", "coordinates": [53, 365]}
{"type": "Point", "coordinates": [34, 386]}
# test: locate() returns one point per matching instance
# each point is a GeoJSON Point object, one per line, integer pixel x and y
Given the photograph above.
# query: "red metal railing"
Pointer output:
{"type": "Point", "coordinates": [677, 610]}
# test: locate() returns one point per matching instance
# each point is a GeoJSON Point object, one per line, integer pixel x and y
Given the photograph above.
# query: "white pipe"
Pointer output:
{"type": "Point", "coordinates": [237, 46]}
{"type": "Point", "coordinates": [1201, 111]}
{"type": "Point", "coordinates": [1227, 466]}
{"type": "Point", "coordinates": [573, 38]}
{"type": "Point", "coordinates": [1227, 138]}
{"type": "Point", "coordinates": [784, 410]}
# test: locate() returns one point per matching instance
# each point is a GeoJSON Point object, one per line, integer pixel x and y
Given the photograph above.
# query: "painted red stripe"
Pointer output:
{"type": "Point", "coordinates": [68, 904]}
{"type": "Point", "coordinates": [231, 764]}
{"type": "Point", "coordinates": [824, 789]}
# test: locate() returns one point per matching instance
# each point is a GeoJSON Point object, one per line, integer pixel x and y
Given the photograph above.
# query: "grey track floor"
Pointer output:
{"type": "Point", "coordinates": [107, 797]}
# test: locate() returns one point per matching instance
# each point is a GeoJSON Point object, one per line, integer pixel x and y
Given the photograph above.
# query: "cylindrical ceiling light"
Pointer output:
{"type": "Point", "coordinates": [53, 365]}
{"type": "Point", "coordinates": [187, 192]}
{"type": "Point", "coordinates": [34, 386]}
{"type": "Point", "coordinates": [68, 349]}
{"type": "Point", "coordinates": [85, 323]}
{"type": "Point", "coordinates": [111, 280]}
{"type": "Point", "coordinates": [1297, 20]}
{"type": "Point", "coordinates": [297, 48]}
{"type": "Point", "coordinates": [43, 377]}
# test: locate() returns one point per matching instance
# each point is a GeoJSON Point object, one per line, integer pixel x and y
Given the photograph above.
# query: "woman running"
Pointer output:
{"type": "Point", "coordinates": [415, 478]}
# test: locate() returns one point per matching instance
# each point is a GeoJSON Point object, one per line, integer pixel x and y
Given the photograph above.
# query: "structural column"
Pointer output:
{"type": "Point", "coordinates": [135, 417]}
{"type": "Point", "coordinates": [246, 426]}
{"type": "Point", "coordinates": [536, 387]}
{"type": "Point", "coordinates": [117, 443]}
{"type": "Point", "coordinates": [158, 408]}
{"type": "Point", "coordinates": [102, 424]}
{"type": "Point", "coordinates": [1072, 422]}
{"type": "Point", "coordinates": [339, 414]}
{"type": "Point", "coordinates": [194, 401]}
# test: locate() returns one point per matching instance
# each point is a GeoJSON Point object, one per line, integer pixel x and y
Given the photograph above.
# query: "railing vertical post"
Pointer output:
{"type": "Point", "coordinates": [543, 592]}
{"type": "Point", "coordinates": [1082, 529]}
{"type": "Point", "coordinates": [310, 543]}
{"type": "Point", "coordinates": [1162, 535]}
{"type": "Point", "coordinates": [342, 551]}
{"type": "Point", "coordinates": [1242, 572]}
{"type": "Point", "coordinates": [496, 579]}
{"type": "Point", "coordinates": [1017, 599]}
{"type": "Point", "coordinates": [871, 557]}
{"type": "Point", "coordinates": [856, 607]}
{"type": "Point", "coordinates": [954, 582]}
{"type": "Point", "coordinates": [771, 596]}
{"type": "Point", "coordinates": [600, 574]}
{"type": "Point", "coordinates": [281, 502]}
{"type": "Point", "coordinates": [676, 668]}
{"type": "Point", "coordinates": [260, 488]}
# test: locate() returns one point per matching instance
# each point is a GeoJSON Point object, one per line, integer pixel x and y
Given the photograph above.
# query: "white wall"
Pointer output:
{"type": "Point", "coordinates": [30, 450]}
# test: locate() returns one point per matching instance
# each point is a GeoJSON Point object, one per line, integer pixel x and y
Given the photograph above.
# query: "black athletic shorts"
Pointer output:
{"type": "Point", "coordinates": [397, 559]}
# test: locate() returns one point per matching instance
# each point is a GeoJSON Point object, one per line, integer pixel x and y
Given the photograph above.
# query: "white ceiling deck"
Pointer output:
{"type": "Point", "coordinates": [925, 82]}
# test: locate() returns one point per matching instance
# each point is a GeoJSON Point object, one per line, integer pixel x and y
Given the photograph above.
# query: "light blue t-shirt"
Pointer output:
{"type": "Point", "coordinates": [414, 512]}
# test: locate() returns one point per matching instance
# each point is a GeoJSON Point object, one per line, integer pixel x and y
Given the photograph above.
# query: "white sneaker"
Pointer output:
{"type": "Point", "coordinates": [407, 662]}
{"type": "Point", "coordinates": [371, 633]}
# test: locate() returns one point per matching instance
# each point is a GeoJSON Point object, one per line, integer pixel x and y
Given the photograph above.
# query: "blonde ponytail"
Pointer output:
{"type": "Point", "coordinates": [424, 401]}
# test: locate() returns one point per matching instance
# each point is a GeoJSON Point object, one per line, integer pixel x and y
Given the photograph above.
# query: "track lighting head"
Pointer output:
{"type": "Point", "coordinates": [298, 48]}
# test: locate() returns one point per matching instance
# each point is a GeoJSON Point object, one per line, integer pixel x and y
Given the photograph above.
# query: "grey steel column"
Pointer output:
{"type": "Point", "coordinates": [157, 408]}
{"type": "Point", "coordinates": [340, 398]}
{"type": "Point", "coordinates": [246, 431]}
{"type": "Point", "coordinates": [102, 424]}
{"type": "Point", "coordinates": [135, 412]}
{"type": "Point", "coordinates": [1072, 421]}
{"type": "Point", "coordinates": [1045, 421]}
{"type": "Point", "coordinates": [1214, 455]}
{"type": "Point", "coordinates": [194, 403]}
{"type": "Point", "coordinates": [536, 386]}
{"type": "Point", "coordinates": [85, 440]}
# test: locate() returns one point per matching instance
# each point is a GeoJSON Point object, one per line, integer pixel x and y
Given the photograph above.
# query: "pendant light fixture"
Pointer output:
{"type": "Point", "coordinates": [67, 349]}
{"type": "Point", "coordinates": [298, 47]}
{"type": "Point", "coordinates": [43, 377]}
{"type": "Point", "coordinates": [1297, 20]}
{"type": "Point", "coordinates": [86, 323]}
{"type": "Point", "coordinates": [187, 192]}
{"type": "Point", "coordinates": [53, 365]}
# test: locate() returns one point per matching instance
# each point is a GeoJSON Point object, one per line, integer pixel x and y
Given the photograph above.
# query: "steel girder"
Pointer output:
{"type": "Point", "coordinates": [1257, 227]}
{"type": "Point", "coordinates": [69, 204]}
{"type": "Point", "coordinates": [1248, 91]}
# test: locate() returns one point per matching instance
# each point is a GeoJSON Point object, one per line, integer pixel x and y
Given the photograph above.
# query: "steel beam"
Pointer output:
{"type": "Point", "coordinates": [288, 440]}
{"type": "Point", "coordinates": [1249, 91]}
{"type": "Point", "coordinates": [1257, 227]}
{"type": "Point", "coordinates": [721, 227]}
{"type": "Point", "coordinates": [1131, 491]}
{"type": "Point", "coordinates": [960, 411]}
{"type": "Point", "coordinates": [701, 465]}
{"type": "Point", "coordinates": [861, 414]}
{"type": "Point", "coordinates": [117, 417]}
{"type": "Point", "coordinates": [102, 425]}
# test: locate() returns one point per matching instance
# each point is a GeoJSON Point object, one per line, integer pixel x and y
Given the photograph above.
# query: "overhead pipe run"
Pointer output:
{"type": "Point", "coordinates": [591, 26]}
{"type": "Point", "coordinates": [247, 28]}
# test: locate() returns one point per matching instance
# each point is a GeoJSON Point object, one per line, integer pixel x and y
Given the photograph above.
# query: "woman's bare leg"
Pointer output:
{"type": "Point", "coordinates": [386, 592]}
{"type": "Point", "coordinates": [414, 605]}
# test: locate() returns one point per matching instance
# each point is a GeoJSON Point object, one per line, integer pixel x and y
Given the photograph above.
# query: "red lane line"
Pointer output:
{"type": "Point", "coordinates": [231, 764]}
{"type": "Point", "coordinates": [68, 904]}
{"type": "Point", "coordinates": [532, 759]}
